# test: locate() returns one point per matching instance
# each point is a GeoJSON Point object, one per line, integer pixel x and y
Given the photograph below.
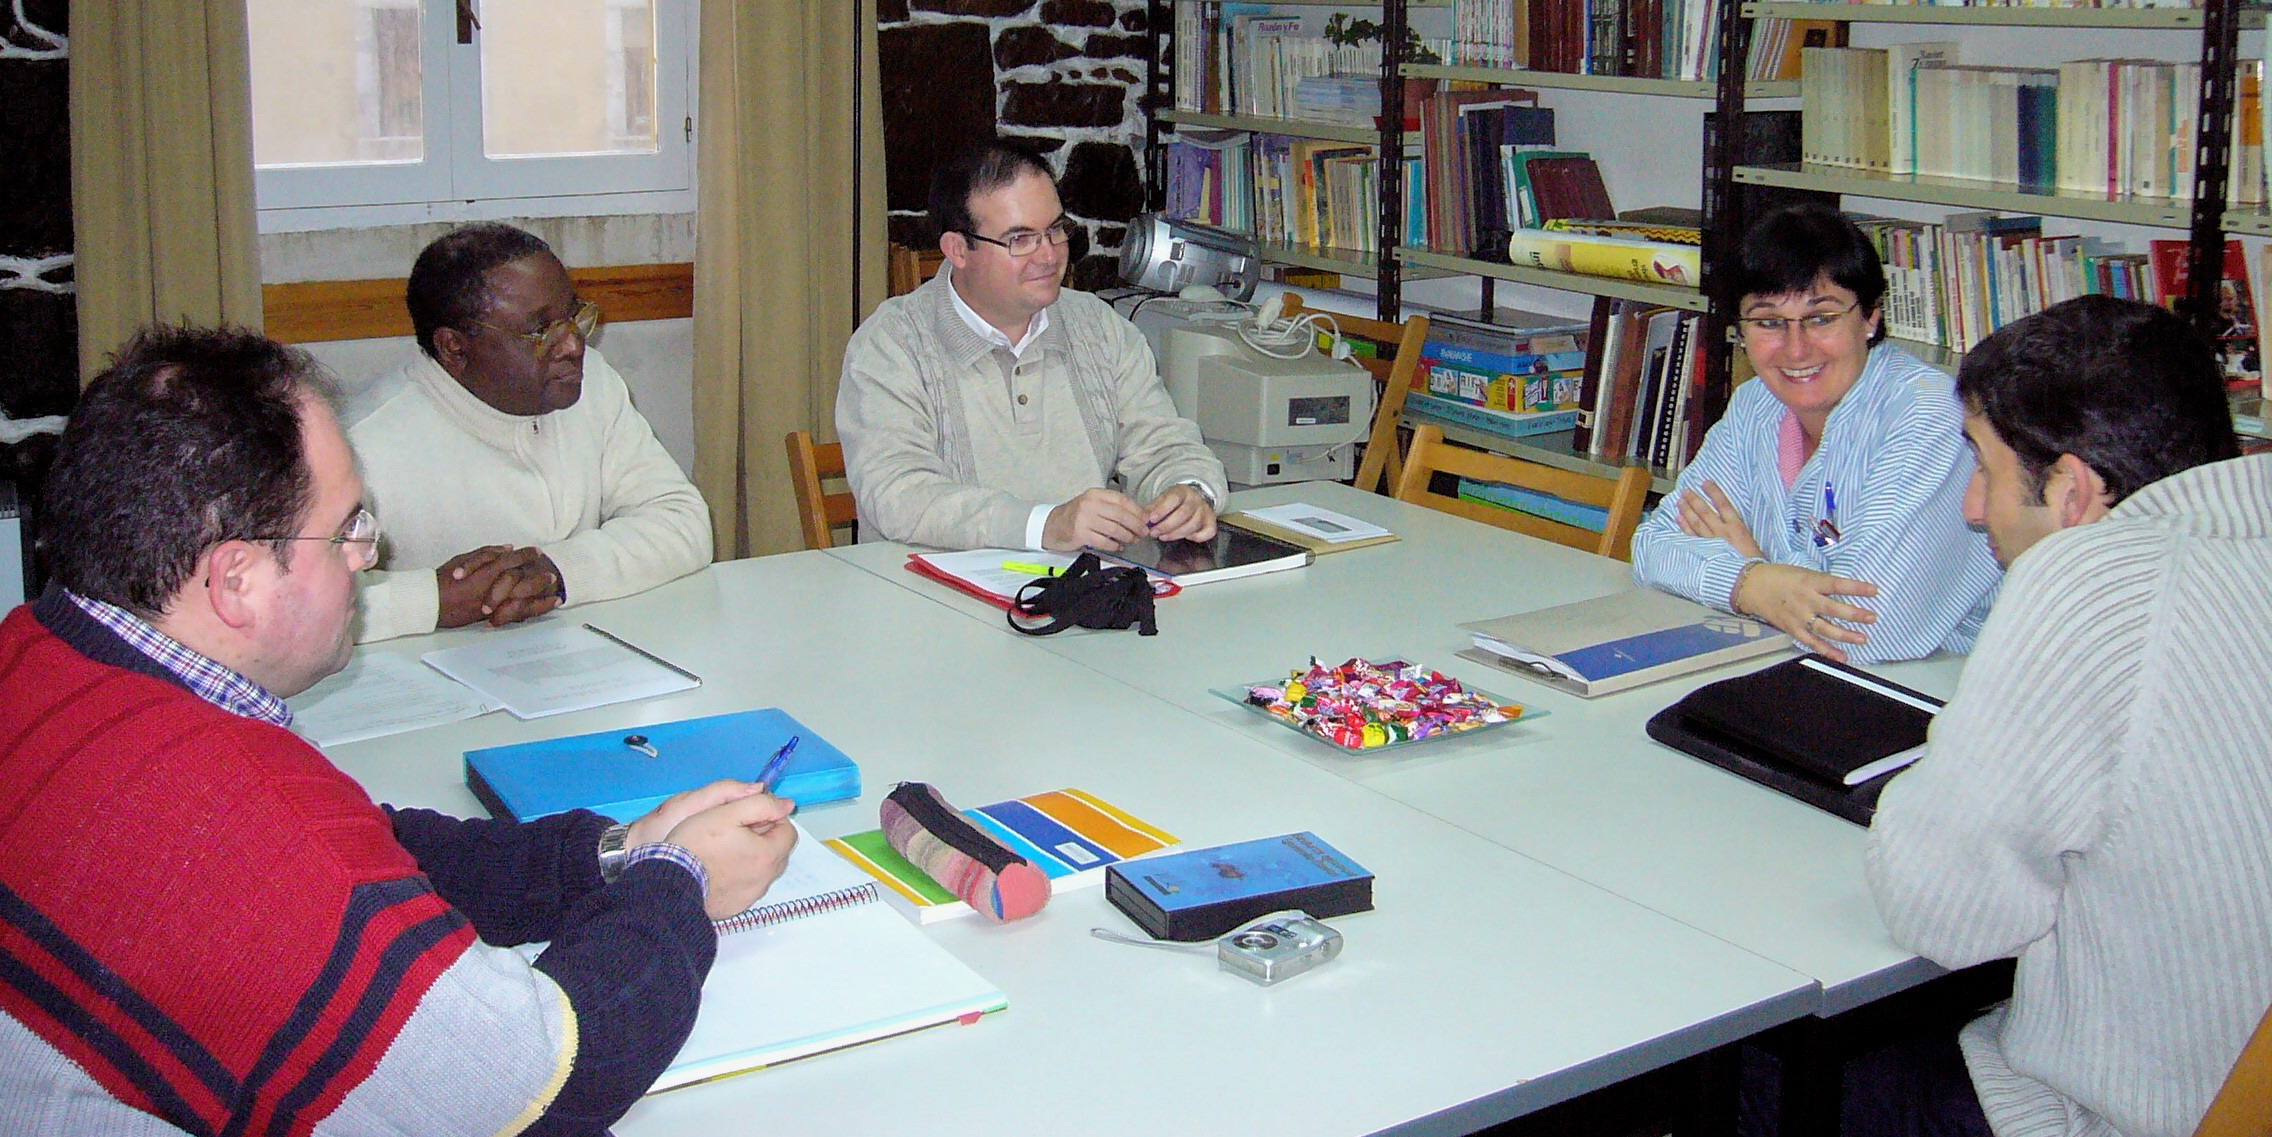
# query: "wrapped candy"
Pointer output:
{"type": "Point", "coordinates": [1362, 705]}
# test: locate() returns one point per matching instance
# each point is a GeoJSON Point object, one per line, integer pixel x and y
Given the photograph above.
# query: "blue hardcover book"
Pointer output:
{"type": "Point", "coordinates": [1534, 503]}
{"type": "Point", "coordinates": [623, 774]}
{"type": "Point", "coordinates": [1607, 644]}
{"type": "Point", "coordinates": [1205, 892]}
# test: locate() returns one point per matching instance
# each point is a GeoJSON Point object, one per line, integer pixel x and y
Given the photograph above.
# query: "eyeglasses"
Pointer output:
{"type": "Point", "coordinates": [549, 338]}
{"type": "Point", "coordinates": [361, 533]}
{"type": "Point", "coordinates": [1772, 327]}
{"type": "Point", "coordinates": [1026, 243]}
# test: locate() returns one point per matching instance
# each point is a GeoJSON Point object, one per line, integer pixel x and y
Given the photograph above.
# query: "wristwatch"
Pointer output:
{"type": "Point", "coordinates": [615, 851]}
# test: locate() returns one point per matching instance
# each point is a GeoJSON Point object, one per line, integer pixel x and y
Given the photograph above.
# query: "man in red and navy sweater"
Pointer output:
{"type": "Point", "coordinates": [207, 928]}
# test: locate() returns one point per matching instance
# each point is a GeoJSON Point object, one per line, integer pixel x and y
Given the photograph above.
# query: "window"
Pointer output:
{"type": "Point", "coordinates": [372, 111]}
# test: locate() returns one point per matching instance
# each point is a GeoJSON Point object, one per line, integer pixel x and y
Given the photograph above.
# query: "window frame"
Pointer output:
{"type": "Point", "coordinates": [456, 181]}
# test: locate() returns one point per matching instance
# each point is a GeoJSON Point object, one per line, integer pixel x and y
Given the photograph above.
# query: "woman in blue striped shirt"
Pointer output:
{"type": "Point", "coordinates": [1828, 500]}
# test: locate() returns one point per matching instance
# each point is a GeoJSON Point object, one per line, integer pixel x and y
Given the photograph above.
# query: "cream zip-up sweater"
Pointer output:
{"type": "Point", "coordinates": [2097, 801]}
{"type": "Point", "coordinates": [446, 474]}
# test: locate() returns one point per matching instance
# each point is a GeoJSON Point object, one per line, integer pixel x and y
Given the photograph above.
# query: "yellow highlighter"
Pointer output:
{"type": "Point", "coordinates": [1032, 569]}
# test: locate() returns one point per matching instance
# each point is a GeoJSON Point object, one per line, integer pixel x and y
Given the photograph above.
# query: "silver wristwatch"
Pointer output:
{"type": "Point", "coordinates": [615, 851]}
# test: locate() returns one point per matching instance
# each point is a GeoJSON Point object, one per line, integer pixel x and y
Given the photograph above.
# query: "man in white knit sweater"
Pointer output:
{"type": "Point", "coordinates": [993, 407]}
{"type": "Point", "coordinates": [2097, 800]}
{"type": "Point", "coordinates": [506, 464]}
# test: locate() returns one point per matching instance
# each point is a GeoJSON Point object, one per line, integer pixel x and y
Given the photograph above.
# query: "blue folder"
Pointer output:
{"type": "Point", "coordinates": [603, 773]}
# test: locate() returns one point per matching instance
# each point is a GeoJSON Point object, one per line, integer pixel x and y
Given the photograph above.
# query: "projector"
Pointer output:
{"type": "Point", "coordinates": [1172, 256]}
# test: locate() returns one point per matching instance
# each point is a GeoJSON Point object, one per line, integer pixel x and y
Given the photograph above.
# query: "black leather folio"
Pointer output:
{"type": "Point", "coordinates": [1800, 727]}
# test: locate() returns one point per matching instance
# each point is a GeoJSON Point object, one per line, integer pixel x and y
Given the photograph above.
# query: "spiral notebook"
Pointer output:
{"type": "Point", "coordinates": [817, 965]}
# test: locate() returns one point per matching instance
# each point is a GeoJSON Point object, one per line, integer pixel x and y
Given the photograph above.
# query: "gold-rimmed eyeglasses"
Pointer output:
{"type": "Point", "coordinates": [1773, 327]}
{"type": "Point", "coordinates": [549, 338]}
{"type": "Point", "coordinates": [1027, 242]}
{"type": "Point", "coordinates": [360, 537]}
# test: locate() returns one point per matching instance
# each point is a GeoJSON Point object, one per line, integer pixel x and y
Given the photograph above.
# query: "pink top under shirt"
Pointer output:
{"type": "Point", "coordinates": [1790, 449]}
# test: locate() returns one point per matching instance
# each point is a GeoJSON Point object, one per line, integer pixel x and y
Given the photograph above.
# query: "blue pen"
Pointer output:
{"type": "Point", "coordinates": [774, 765]}
{"type": "Point", "coordinates": [1826, 530]}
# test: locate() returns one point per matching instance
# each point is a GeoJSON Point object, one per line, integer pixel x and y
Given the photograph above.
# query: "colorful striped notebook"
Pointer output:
{"type": "Point", "coordinates": [1071, 835]}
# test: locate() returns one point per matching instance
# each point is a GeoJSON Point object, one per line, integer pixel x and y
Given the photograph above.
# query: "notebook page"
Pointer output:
{"type": "Point", "coordinates": [809, 986]}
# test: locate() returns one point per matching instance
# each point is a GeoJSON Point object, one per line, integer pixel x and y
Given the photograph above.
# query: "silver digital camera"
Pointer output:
{"type": "Point", "coordinates": [1278, 947]}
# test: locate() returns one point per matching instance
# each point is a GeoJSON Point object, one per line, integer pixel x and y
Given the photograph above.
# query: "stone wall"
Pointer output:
{"type": "Point", "coordinates": [1065, 77]}
{"type": "Point", "coordinates": [39, 328]}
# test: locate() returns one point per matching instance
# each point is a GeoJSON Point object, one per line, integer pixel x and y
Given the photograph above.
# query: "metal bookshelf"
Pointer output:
{"type": "Point", "coordinates": [1290, 127]}
{"type": "Point", "coordinates": [1347, 261]}
{"type": "Point", "coordinates": [2175, 213]}
{"type": "Point", "coordinates": [2192, 19]}
{"type": "Point", "coordinates": [1668, 295]}
{"type": "Point", "coordinates": [1617, 84]}
{"type": "Point", "coordinates": [2204, 216]}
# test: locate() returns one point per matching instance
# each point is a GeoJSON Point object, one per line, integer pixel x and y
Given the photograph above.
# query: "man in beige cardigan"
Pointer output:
{"type": "Point", "coordinates": [994, 408]}
{"type": "Point", "coordinates": [508, 468]}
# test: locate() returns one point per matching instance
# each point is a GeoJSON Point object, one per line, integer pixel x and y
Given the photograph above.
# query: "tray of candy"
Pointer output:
{"type": "Point", "coordinates": [1365, 705]}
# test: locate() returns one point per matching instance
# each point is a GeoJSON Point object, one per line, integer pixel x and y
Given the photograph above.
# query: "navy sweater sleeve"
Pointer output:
{"type": "Point", "coordinates": [513, 879]}
{"type": "Point", "coordinates": [630, 956]}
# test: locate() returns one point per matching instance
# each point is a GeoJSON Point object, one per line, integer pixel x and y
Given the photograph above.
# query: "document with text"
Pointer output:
{"type": "Point", "coordinates": [553, 668]}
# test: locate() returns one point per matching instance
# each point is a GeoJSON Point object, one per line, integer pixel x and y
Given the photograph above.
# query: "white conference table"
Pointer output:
{"type": "Point", "coordinates": [1484, 986]}
{"type": "Point", "coordinates": [1583, 789]}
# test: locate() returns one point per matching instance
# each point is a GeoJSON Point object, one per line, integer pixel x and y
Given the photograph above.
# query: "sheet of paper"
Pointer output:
{"type": "Point", "coordinates": [984, 567]}
{"type": "Point", "coordinates": [1322, 524]}
{"type": "Point", "coordinates": [552, 668]}
{"type": "Point", "coordinates": [380, 693]}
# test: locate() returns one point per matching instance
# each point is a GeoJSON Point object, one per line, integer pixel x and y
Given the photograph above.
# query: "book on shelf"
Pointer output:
{"type": "Point", "coordinates": [816, 966]}
{"type": "Point", "coordinates": [1518, 371]}
{"type": "Point", "coordinates": [1652, 39]}
{"type": "Point", "coordinates": [2094, 126]}
{"type": "Point", "coordinates": [1071, 835]}
{"type": "Point", "coordinates": [1454, 167]}
{"type": "Point", "coordinates": [1618, 258]}
{"type": "Point", "coordinates": [2236, 339]}
{"type": "Point", "coordinates": [1505, 424]}
{"type": "Point", "coordinates": [1776, 43]}
{"type": "Point", "coordinates": [1557, 186]}
{"type": "Point", "coordinates": [1534, 502]}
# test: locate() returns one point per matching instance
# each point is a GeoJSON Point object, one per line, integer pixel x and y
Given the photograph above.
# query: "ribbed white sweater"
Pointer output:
{"type": "Point", "coordinates": [446, 474]}
{"type": "Point", "coordinates": [2098, 803]}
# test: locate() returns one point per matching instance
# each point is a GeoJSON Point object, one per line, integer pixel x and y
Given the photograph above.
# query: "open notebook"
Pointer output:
{"type": "Point", "coordinates": [816, 966]}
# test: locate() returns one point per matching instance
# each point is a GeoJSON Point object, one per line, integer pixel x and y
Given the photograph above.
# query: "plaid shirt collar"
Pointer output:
{"type": "Point", "coordinates": [206, 679]}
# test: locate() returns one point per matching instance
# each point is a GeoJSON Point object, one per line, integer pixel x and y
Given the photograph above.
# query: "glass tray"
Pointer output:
{"type": "Point", "coordinates": [1237, 697]}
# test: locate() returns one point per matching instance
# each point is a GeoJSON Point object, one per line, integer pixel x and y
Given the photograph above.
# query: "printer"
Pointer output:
{"type": "Point", "coordinates": [1269, 419]}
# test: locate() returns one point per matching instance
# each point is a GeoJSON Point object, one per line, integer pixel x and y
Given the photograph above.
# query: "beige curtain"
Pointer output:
{"type": "Point", "coordinates": [789, 249]}
{"type": "Point", "coordinates": [161, 168]}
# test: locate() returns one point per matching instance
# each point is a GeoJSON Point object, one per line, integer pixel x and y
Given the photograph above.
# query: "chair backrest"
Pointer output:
{"type": "Point", "coordinates": [906, 269]}
{"type": "Point", "coordinates": [819, 511]}
{"type": "Point", "coordinates": [1382, 464]}
{"type": "Point", "coordinates": [1622, 496]}
{"type": "Point", "coordinates": [2244, 1107]}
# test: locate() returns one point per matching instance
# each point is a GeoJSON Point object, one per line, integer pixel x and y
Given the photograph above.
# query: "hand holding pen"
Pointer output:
{"type": "Point", "coordinates": [658, 824]}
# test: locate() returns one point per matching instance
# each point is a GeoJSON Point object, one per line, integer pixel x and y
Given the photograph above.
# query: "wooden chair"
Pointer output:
{"type": "Point", "coordinates": [906, 269]}
{"type": "Point", "coordinates": [2243, 1108]}
{"type": "Point", "coordinates": [1383, 464]}
{"type": "Point", "coordinates": [819, 511]}
{"type": "Point", "coordinates": [1623, 497]}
